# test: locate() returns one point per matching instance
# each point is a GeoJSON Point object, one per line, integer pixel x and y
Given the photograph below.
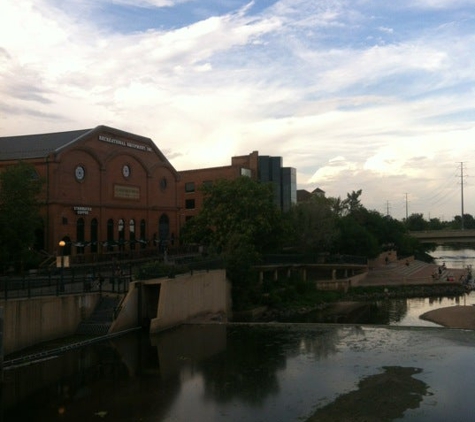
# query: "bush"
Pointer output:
{"type": "Point", "coordinates": [157, 269]}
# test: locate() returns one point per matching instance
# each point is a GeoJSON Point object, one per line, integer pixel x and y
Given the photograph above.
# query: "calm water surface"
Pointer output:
{"type": "Point", "coordinates": [460, 257]}
{"type": "Point", "coordinates": [281, 372]}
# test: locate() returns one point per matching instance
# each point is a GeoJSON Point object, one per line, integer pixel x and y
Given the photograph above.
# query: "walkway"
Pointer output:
{"type": "Point", "coordinates": [417, 272]}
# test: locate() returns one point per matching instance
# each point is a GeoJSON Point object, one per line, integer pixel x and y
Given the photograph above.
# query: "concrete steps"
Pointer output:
{"type": "Point", "coordinates": [101, 319]}
{"type": "Point", "coordinates": [417, 272]}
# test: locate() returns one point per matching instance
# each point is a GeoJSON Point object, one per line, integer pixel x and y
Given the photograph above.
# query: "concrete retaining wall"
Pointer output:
{"type": "Point", "coordinates": [190, 296]}
{"type": "Point", "coordinates": [127, 317]}
{"type": "Point", "coordinates": [28, 322]}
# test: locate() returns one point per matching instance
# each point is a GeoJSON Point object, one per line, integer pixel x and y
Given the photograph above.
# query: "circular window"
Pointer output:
{"type": "Point", "coordinates": [79, 172]}
{"type": "Point", "coordinates": [163, 183]}
{"type": "Point", "coordinates": [126, 171]}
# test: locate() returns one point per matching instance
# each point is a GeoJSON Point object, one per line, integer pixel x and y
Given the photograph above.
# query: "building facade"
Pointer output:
{"type": "Point", "coordinates": [105, 190]}
{"type": "Point", "coordinates": [110, 192]}
{"type": "Point", "coordinates": [265, 169]}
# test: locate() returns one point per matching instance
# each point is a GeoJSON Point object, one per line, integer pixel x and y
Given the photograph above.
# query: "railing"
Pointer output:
{"type": "Point", "coordinates": [57, 285]}
{"type": "Point", "coordinates": [272, 259]}
{"type": "Point", "coordinates": [113, 277]}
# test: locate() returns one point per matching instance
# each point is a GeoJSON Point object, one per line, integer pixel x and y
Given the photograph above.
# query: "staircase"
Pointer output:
{"type": "Point", "coordinates": [417, 272]}
{"type": "Point", "coordinates": [99, 322]}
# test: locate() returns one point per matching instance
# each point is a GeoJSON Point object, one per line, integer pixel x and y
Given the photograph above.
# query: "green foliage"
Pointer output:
{"type": "Point", "coordinates": [240, 206]}
{"type": "Point", "coordinates": [468, 222]}
{"type": "Point", "coordinates": [19, 213]}
{"type": "Point", "coordinates": [356, 239]}
{"type": "Point", "coordinates": [296, 294]}
{"type": "Point", "coordinates": [241, 255]}
{"type": "Point", "coordinates": [158, 269]}
{"type": "Point", "coordinates": [352, 203]}
{"type": "Point", "coordinates": [313, 226]}
{"type": "Point", "coordinates": [416, 222]}
{"type": "Point", "coordinates": [240, 221]}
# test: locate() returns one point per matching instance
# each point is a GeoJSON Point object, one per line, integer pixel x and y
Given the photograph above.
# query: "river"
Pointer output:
{"type": "Point", "coordinates": [263, 372]}
{"type": "Point", "coordinates": [454, 257]}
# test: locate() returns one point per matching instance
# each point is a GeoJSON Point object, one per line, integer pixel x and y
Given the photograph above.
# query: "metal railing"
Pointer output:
{"type": "Point", "coordinates": [65, 284]}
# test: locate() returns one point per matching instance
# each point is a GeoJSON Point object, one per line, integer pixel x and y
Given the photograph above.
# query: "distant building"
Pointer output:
{"type": "Point", "coordinates": [265, 169]}
{"type": "Point", "coordinates": [304, 195]}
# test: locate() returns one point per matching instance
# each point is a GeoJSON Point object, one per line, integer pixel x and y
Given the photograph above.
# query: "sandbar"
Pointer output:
{"type": "Point", "coordinates": [452, 317]}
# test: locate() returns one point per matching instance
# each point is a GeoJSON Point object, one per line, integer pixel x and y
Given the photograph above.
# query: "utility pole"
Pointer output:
{"type": "Point", "coordinates": [461, 193]}
{"type": "Point", "coordinates": [407, 214]}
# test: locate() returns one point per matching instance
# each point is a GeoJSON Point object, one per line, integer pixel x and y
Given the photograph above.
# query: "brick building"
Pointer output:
{"type": "Point", "coordinates": [105, 190]}
{"type": "Point", "coordinates": [265, 169]}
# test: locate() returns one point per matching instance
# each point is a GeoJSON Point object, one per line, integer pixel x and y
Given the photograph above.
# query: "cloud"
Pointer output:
{"type": "Point", "coordinates": [383, 85]}
{"type": "Point", "coordinates": [150, 3]}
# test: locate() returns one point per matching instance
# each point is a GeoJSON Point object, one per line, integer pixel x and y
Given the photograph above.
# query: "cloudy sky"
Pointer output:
{"type": "Point", "coordinates": [355, 94]}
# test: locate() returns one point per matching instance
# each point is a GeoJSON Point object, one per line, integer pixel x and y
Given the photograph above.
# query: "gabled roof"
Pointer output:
{"type": "Point", "coordinates": [41, 145]}
{"type": "Point", "coordinates": [36, 146]}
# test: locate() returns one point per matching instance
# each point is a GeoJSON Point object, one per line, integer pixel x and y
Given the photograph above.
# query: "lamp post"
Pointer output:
{"type": "Point", "coordinates": [62, 244]}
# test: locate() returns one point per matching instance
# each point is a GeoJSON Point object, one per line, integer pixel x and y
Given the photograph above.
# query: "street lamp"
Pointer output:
{"type": "Point", "coordinates": [62, 244]}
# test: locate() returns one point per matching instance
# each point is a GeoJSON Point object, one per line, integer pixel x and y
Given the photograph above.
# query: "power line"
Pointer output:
{"type": "Point", "coordinates": [407, 213]}
{"type": "Point", "coordinates": [461, 193]}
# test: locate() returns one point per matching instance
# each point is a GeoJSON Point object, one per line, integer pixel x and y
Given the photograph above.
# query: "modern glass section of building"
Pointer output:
{"type": "Point", "coordinates": [289, 188]}
{"type": "Point", "coordinates": [270, 170]}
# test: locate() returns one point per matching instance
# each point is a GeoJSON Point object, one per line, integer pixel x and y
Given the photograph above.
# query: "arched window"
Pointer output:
{"type": "Point", "coordinates": [80, 236]}
{"type": "Point", "coordinates": [121, 227]}
{"type": "Point", "coordinates": [143, 234]}
{"type": "Point", "coordinates": [132, 234]}
{"type": "Point", "coordinates": [94, 235]}
{"type": "Point", "coordinates": [163, 231]}
{"type": "Point", "coordinates": [110, 234]}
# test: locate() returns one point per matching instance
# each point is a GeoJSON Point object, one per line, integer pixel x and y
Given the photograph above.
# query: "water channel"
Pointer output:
{"type": "Point", "coordinates": [410, 370]}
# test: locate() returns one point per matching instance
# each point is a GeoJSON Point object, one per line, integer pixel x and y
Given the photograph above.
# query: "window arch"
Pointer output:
{"type": "Point", "coordinates": [163, 231]}
{"type": "Point", "coordinates": [110, 234]}
{"type": "Point", "coordinates": [80, 235]}
{"type": "Point", "coordinates": [94, 235]}
{"type": "Point", "coordinates": [121, 232]}
{"type": "Point", "coordinates": [132, 233]}
{"type": "Point", "coordinates": [143, 233]}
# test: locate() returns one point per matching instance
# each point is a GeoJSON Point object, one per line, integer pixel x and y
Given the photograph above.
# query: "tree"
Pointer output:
{"type": "Point", "coordinates": [237, 207]}
{"type": "Point", "coordinates": [416, 222]}
{"type": "Point", "coordinates": [355, 239]}
{"type": "Point", "coordinates": [313, 225]}
{"type": "Point", "coordinates": [436, 224]}
{"type": "Point", "coordinates": [468, 222]}
{"type": "Point", "coordinates": [19, 213]}
{"type": "Point", "coordinates": [352, 203]}
{"type": "Point", "coordinates": [337, 206]}
{"type": "Point", "coordinates": [368, 232]}
{"type": "Point", "coordinates": [240, 221]}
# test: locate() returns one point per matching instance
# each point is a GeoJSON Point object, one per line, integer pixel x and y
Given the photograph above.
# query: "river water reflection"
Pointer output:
{"type": "Point", "coordinates": [268, 372]}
